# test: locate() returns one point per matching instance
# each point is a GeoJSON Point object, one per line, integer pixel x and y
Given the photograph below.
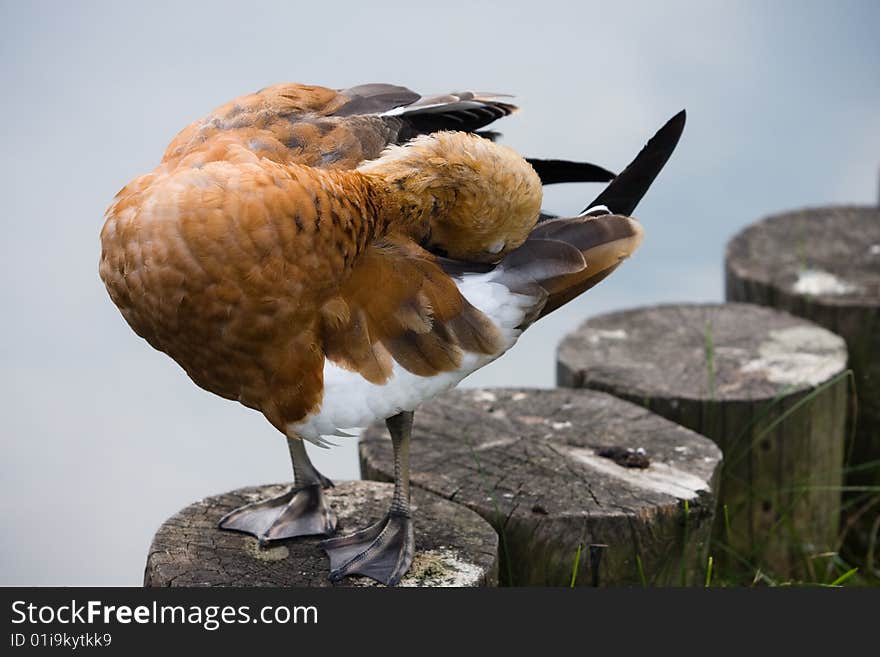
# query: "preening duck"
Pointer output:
{"type": "Point", "coordinates": [333, 258]}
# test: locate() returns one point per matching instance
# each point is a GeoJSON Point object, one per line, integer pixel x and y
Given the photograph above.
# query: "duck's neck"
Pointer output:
{"type": "Point", "coordinates": [402, 210]}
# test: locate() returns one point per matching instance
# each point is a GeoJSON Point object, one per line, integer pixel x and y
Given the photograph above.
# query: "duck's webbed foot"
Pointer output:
{"type": "Point", "coordinates": [301, 511]}
{"type": "Point", "coordinates": [383, 551]}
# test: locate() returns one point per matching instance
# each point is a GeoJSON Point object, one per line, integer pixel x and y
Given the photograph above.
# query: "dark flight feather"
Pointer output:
{"type": "Point", "coordinates": [624, 192]}
{"type": "Point", "coordinates": [564, 171]}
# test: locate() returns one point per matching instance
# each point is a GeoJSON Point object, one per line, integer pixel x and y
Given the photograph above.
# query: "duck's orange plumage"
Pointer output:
{"type": "Point", "coordinates": [333, 258]}
{"type": "Point", "coordinates": [255, 250]}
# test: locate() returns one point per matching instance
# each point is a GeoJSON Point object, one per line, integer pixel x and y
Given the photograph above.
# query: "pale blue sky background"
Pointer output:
{"type": "Point", "coordinates": [103, 438]}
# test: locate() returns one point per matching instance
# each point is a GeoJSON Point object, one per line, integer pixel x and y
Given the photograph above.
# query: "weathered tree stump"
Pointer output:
{"type": "Point", "coordinates": [824, 264]}
{"type": "Point", "coordinates": [770, 389]}
{"type": "Point", "coordinates": [529, 461]}
{"type": "Point", "coordinates": [454, 546]}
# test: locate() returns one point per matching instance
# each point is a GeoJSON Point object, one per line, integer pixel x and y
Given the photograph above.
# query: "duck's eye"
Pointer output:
{"type": "Point", "coordinates": [496, 248]}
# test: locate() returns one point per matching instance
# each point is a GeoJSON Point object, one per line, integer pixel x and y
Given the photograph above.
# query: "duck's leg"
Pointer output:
{"type": "Point", "coordinates": [301, 511]}
{"type": "Point", "coordinates": [383, 551]}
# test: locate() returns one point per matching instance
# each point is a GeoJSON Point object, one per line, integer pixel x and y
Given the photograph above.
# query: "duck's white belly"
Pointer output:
{"type": "Point", "coordinates": [350, 400]}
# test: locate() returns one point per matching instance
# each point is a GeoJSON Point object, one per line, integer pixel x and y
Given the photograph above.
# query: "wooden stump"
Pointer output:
{"type": "Point", "coordinates": [529, 461]}
{"type": "Point", "coordinates": [770, 389]}
{"type": "Point", "coordinates": [454, 546]}
{"type": "Point", "coordinates": [824, 264]}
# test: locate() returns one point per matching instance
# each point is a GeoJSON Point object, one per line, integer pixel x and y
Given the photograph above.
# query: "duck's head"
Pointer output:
{"type": "Point", "coordinates": [479, 200]}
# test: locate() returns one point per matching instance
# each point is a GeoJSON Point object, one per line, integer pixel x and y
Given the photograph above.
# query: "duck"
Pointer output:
{"type": "Point", "coordinates": [333, 258]}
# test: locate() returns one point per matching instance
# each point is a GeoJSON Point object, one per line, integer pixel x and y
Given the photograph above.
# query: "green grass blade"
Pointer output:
{"type": "Point", "coordinates": [641, 571]}
{"type": "Point", "coordinates": [840, 580]}
{"type": "Point", "coordinates": [684, 543]}
{"type": "Point", "coordinates": [709, 349]}
{"type": "Point", "coordinates": [574, 570]}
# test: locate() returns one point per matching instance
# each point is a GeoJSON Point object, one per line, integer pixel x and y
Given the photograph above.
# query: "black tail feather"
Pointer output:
{"type": "Point", "coordinates": [563, 171]}
{"type": "Point", "coordinates": [624, 192]}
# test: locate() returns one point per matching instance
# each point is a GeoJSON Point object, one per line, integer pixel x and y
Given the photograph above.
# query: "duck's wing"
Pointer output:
{"type": "Point", "coordinates": [466, 111]}
{"type": "Point", "coordinates": [338, 129]}
{"type": "Point", "coordinates": [399, 306]}
{"type": "Point", "coordinates": [567, 257]}
{"type": "Point", "coordinates": [329, 128]}
{"type": "Point", "coordinates": [562, 258]}
{"type": "Point", "coordinates": [411, 115]}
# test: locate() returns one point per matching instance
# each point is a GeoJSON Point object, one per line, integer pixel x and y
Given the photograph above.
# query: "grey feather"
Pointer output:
{"type": "Point", "coordinates": [537, 261]}
{"type": "Point", "coordinates": [375, 98]}
{"type": "Point", "coordinates": [583, 232]}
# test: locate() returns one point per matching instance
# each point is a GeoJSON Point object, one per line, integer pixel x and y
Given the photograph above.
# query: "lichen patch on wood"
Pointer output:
{"type": "Point", "coordinates": [442, 567]}
{"type": "Point", "coordinates": [608, 334]}
{"type": "Point", "coordinates": [816, 282]}
{"type": "Point", "coordinates": [269, 553]}
{"type": "Point", "coordinates": [799, 356]}
{"type": "Point", "coordinates": [658, 476]}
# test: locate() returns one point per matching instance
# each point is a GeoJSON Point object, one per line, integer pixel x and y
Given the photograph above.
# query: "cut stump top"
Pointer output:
{"type": "Point", "coordinates": [830, 254]}
{"type": "Point", "coordinates": [454, 546]}
{"type": "Point", "coordinates": [535, 453]}
{"type": "Point", "coordinates": [707, 352]}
